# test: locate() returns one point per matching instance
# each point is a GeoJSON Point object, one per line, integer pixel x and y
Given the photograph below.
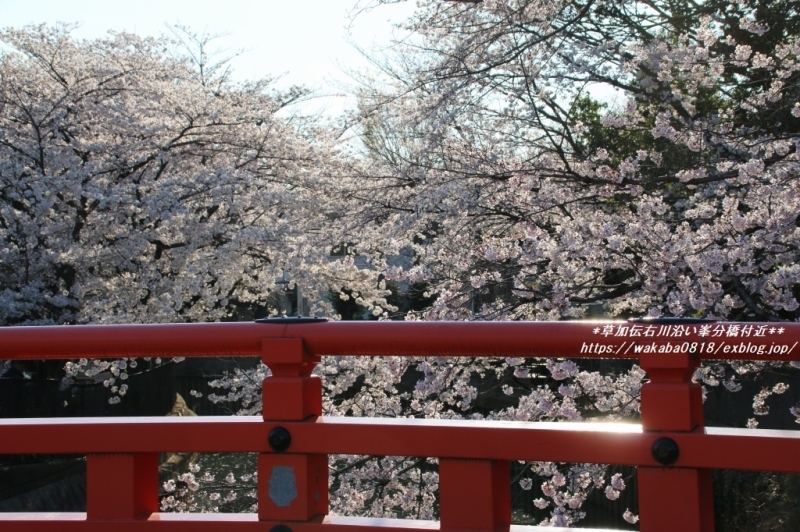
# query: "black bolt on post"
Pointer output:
{"type": "Point", "coordinates": [279, 439]}
{"type": "Point", "coordinates": [665, 451]}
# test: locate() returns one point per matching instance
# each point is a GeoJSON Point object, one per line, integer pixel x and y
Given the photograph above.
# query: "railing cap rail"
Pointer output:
{"type": "Point", "coordinates": [578, 339]}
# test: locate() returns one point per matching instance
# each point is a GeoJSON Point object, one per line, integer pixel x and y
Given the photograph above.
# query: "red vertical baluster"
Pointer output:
{"type": "Point", "coordinates": [121, 486]}
{"type": "Point", "coordinates": [672, 498]}
{"type": "Point", "coordinates": [291, 487]}
{"type": "Point", "coordinates": [474, 494]}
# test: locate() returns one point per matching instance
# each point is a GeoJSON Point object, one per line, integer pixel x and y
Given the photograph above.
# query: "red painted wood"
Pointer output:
{"type": "Point", "coordinates": [291, 393]}
{"type": "Point", "coordinates": [291, 487]}
{"type": "Point", "coordinates": [671, 498]}
{"type": "Point", "coordinates": [287, 357]}
{"type": "Point", "coordinates": [474, 494]}
{"type": "Point", "coordinates": [670, 401]}
{"type": "Point", "coordinates": [121, 486]}
{"type": "Point", "coordinates": [675, 499]}
{"type": "Point", "coordinates": [473, 474]}
{"type": "Point", "coordinates": [309, 497]}
{"type": "Point", "coordinates": [712, 447]}
{"type": "Point", "coordinates": [480, 339]}
{"type": "Point", "coordinates": [287, 398]}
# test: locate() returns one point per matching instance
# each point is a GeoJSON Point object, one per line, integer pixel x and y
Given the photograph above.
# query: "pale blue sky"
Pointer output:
{"type": "Point", "coordinates": [305, 40]}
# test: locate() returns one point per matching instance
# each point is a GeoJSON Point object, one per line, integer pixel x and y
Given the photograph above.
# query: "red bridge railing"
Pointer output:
{"type": "Point", "coordinates": [673, 451]}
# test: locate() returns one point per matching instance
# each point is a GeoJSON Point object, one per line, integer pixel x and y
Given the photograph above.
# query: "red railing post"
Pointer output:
{"type": "Point", "coordinates": [291, 487]}
{"type": "Point", "coordinates": [474, 494]}
{"type": "Point", "coordinates": [121, 486]}
{"type": "Point", "coordinates": [673, 498]}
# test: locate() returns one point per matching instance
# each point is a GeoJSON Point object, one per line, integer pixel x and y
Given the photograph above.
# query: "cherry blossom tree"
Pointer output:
{"type": "Point", "coordinates": [552, 160]}
{"type": "Point", "coordinates": [138, 183]}
{"type": "Point", "coordinates": [550, 156]}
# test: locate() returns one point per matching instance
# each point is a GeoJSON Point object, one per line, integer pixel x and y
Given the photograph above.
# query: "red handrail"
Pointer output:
{"type": "Point", "coordinates": [674, 490]}
{"type": "Point", "coordinates": [586, 339]}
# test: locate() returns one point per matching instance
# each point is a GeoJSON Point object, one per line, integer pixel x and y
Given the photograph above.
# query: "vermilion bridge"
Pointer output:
{"type": "Point", "coordinates": [673, 451]}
